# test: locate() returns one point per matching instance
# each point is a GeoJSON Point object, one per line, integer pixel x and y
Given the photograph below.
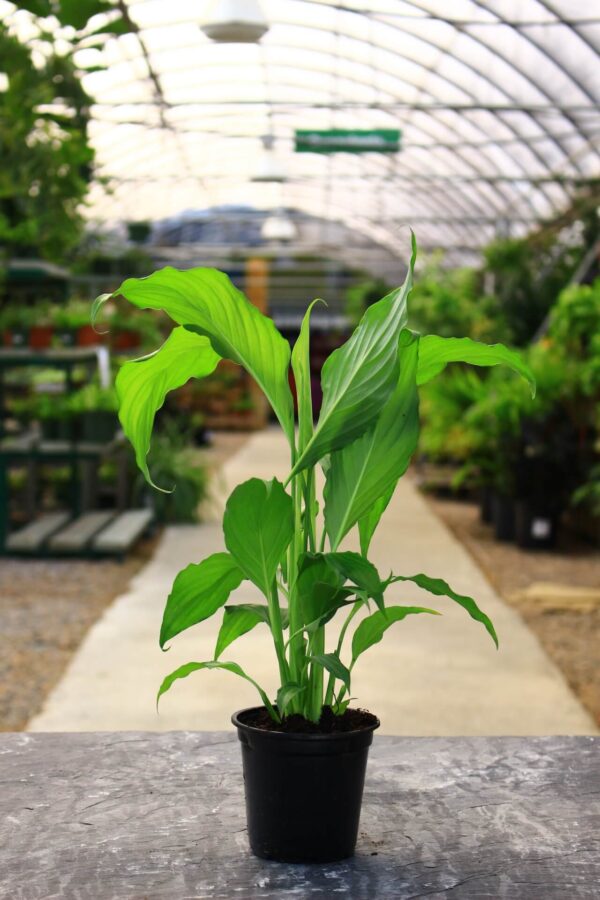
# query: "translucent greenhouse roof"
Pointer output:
{"type": "Point", "coordinates": [497, 103]}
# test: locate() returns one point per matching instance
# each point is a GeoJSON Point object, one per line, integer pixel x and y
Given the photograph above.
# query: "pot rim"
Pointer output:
{"type": "Point", "coordinates": [298, 735]}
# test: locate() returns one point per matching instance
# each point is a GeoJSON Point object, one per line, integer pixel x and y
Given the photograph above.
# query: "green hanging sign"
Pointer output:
{"type": "Point", "coordinates": [348, 140]}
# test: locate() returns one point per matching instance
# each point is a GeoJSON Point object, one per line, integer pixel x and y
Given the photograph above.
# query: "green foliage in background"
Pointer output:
{"type": "Point", "coordinates": [453, 302]}
{"type": "Point", "coordinates": [363, 441]}
{"type": "Point", "coordinates": [487, 425]}
{"type": "Point", "coordinates": [47, 159]}
{"type": "Point", "coordinates": [174, 465]}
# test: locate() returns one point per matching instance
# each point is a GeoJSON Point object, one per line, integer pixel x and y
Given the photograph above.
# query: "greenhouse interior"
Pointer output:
{"type": "Point", "coordinates": [300, 338]}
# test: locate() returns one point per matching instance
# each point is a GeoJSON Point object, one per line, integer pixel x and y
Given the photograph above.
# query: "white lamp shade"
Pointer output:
{"type": "Point", "coordinates": [235, 22]}
{"type": "Point", "coordinates": [269, 169]}
{"type": "Point", "coordinates": [278, 228]}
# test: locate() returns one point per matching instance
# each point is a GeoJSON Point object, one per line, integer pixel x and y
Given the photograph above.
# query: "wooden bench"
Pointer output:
{"type": "Point", "coordinates": [133, 815]}
{"type": "Point", "coordinates": [33, 537]}
{"type": "Point", "coordinates": [120, 535]}
{"type": "Point", "coordinates": [78, 535]}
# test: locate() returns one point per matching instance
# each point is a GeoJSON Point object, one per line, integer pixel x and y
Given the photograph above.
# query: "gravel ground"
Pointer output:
{"type": "Point", "coordinates": [47, 607]}
{"type": "Point", "coordinates": [571, 638]}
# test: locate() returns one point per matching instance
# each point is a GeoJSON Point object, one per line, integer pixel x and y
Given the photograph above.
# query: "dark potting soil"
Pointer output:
{"type": "Point", "coordinates": [329, 723]}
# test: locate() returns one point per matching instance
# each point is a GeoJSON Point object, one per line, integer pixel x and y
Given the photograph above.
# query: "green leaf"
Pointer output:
{"type": "Point", "coordinates": [301, 369]}
{"type": "Point", "coordinates": [369, 522]}
{"type": "Point", "coordinates": [239, 620]}
{"type": "Point", "coordinates": [198, 592]}
{"type": "Point", "coordinates": [373, 627]}
{"type": "Point", "coordinates": [77, 13]}
{"type": "Point", "coordinates": [436, 352]}
{"type": "Point", "coordinates": [188, 668]}
{"type": "Point", "coordinates": [333, 664]}
{"type": "Point", "coordinates": [441, 588]}
{"type": "Point", "coordinates": [206, 302]}
{"type": "Point", "coordinates": [41, 8]}
{"type": "Point", "coordinates": [369, 468]}
{"type": "Point", "coordinates": [258, 526]}
{"type": "Point", "coordinates": [362, 573]}
{"type": "Point", "coordinates": [319, 589]}
{"type": "Point", "coordinates": [286, 694]}
{"type": "Point", "coordinates": [143, 384]}
{"type": "Point", "coordinates": [359, 377]}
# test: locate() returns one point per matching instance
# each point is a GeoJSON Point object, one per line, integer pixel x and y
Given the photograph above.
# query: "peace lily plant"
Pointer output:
{"type": "Point", "coordinates": [363, 441]}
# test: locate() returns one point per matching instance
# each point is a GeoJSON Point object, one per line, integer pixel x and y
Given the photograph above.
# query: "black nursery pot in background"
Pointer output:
{"type": "Point", "coordinates": [535, 526]}
{"type": "Point", "coordinates": [486, 495]}
{"type": "Point", "coordinates": [503, 517]}
{"type": "Point", "coordinates": [303, 791]}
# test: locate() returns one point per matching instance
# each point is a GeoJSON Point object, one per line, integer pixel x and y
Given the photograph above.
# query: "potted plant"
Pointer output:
{"type": "Point", "coordinates": [305, 750]}
{"type": "Point", "coordinates": [41, 328]}
{"type": "Point", "coordinates": [15, 322]}
{"type": "Point", "coordinates": [96, 408]}
{"type": "Point", "coordinates": [72, 325]}
{"type": "Point", "coordinates": [54, 415]}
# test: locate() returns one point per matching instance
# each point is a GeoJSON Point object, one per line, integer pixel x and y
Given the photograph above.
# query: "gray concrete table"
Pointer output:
{"type": "Point", "coordinates": [140, 815]}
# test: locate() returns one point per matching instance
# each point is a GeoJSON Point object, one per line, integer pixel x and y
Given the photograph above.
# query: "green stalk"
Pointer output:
{"type": "Point", "coordinates": [277, 632]}
{"type": "Point", "coordinates": [331, 683]}
{"type": "Point", "coordinates": [317, 647]}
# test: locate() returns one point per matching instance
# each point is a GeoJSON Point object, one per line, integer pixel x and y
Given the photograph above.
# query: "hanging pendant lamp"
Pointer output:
{"type": "Point", "coordinates": [235, 22]}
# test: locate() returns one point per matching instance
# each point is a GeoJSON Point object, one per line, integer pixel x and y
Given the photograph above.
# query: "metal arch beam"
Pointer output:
{"type": "Point", "coordinates": [420, 128]}
{"type": "Point", "coordinates": [458, 87]}
{"type": "Point", "coordinates": [489, 81]}
{"type": "Point", "coordinates": [348, 213]}
{"type": "Point", "coordinates": [398, 180]}
{"type": "Point", "coordinates": [479, 74]}
{"type": "Point", "coordinates": [450, 145]}
{"type": "Point", "coordinates": [470, 164]}
{"type": "Point", "coordinates": [485, 197]}
{"type": "Point", "coordinates": [433, 17]}
{"type": "Point", "coordinates": [541, 49]}
{"type": "Point", "coordinates": [511, 65]}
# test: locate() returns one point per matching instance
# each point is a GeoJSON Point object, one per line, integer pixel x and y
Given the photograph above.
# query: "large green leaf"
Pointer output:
{"type": "Point", "coordinates": [359, 377]}
{"type": "Point", "coordinates": [143, 384]}
{"type": "Point", "coordinates": [436, 352]}
{"type": "Point", "coordinates": [369, 468]}
{"type": "Point", "coordinates": [441, 588]}
{"type": "Point", "coordinates": [239, 620]}
{"type": "Point", "coordinates": [333, 664]}
{"type": "Point", "coordinates": [318, 589]}
{"type": "Point", "coordinates": [301, 369]}
{"type": "Point", "coordinates": [369, 522]}
{"type": "Point", "coordinates": [258, 526]}
{"type": "Point", "coordinates": [205, 301]}
{"type": "Point", "coordinates": [355, 568]}
{"type": "Point", "coordinates": [198, 592]}
{"type": "Point", "coordinates": [188, 668]}
{"type": "Point", "coordinates": [371, 630]}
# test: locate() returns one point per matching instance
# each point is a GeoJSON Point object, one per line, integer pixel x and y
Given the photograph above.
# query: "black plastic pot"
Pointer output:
{"type": "Point", "coordinates": [503, 517]}
{"type": "Point", "coordinates": [303, 791]}
{"type": "Point", "coordinates": [535, 526]}
{"type": "Point", "coordinates": [485, 503]}
{"type": "Point", "coordinates": [99, 426]}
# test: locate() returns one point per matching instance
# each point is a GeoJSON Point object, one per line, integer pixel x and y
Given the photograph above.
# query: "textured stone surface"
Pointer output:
{"type": "Point", "coordinates": [156, 816]}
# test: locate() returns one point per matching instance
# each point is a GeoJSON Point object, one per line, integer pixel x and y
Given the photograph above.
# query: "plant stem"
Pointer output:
{"type": "Point", "coordinates": [331, 683]}
{"type": "Point", "coordinates": [317, 647]}
{"type": "Point", "coordinates": [277, 631]}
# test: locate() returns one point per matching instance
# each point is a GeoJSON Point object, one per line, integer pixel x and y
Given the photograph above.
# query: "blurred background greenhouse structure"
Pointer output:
{"type": "Point", "coordinates": [294, 144]}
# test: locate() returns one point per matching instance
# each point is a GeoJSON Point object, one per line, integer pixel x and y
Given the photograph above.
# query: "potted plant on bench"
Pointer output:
{"type": "Point", "coordinates": [304, 750]}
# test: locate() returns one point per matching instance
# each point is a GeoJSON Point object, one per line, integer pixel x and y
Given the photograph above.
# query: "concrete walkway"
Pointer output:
{"type": "Point", "coordinates": [428, 676]}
